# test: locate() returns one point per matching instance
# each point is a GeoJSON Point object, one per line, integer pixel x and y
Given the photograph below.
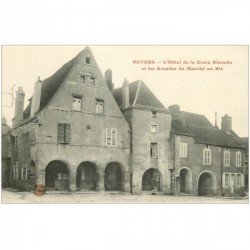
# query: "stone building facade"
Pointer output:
{"type": "Point", "coordinates": [78, 133]}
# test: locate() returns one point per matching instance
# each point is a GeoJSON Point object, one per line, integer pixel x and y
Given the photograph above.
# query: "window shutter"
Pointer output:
{"type": "Point", "coordinates": [160, 150]}
{"type": "Point", "coordinates": [67, 133]}
{"type": "Point", "coordinates": [60, 132]}
{"type": "Point", "coordinates": [242, 180]}
{"type": "Point", "coordinates": [148, 149]}
{"type": "Point", "coordinates": [114, 136]}
{"type": "Point", "coordinates": [223, 180]}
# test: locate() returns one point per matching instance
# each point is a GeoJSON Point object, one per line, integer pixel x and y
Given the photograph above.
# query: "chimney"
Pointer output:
{"type": "Point", "coordinates": [108, 79]}
{"type": "Point", "coordinates": [19, 105]}
{"type": "Point", "coordinates": [215, 122]}
{"type": "Point", "coordinates": [125, 94]}
{"type": "Point", "coordinates": [175, 108]}
{"type": "Point", "coordinates": [35, 103]}
{"type": "Point", "coordinates": [226, 123]}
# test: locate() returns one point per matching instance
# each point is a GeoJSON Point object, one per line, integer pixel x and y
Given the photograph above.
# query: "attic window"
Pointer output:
{"type": "Point", "coordinates": [88, 60]}
{"type": "Point", "coordinates": [88, 79]}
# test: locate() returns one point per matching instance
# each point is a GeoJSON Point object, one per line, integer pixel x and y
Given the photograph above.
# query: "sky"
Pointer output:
{"type": "Point", "coordinates": [198, 91]}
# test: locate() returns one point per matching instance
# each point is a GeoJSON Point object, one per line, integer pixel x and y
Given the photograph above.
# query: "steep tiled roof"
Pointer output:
{"type": "Point", "coordinates": [213, 136]}
{"type": "Point", "coordinates": [178, 128]}
{"type": "Point", "coordinates": [139, 94]}
{"type": "Point", "coordinates": [51, 85]}
{"type": "Point", "coordinates": [196, 119]}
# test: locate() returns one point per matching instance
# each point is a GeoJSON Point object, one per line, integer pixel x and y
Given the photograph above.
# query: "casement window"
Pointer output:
{"type": "Point", "coordinates": [183, 150]}
{"type": "Point", "coordinates": [153, 128]}
{"type": "Point", "coordinates": [155, 150]}
{"type": "Point", "coordinates": [111, 137]}
{"type": "Point", "coordinates": [77, 103]}
{"type": "Point", "coordinates": [61, 176]}
{"type": "Point", "coordinates": [226, 158]}
{"type": "Point", "coordinates": [207, 156]}
{"type": "Point", "coordinates": [154, 113]}
{"type": "Point", "coordinates": [63, 133]}
{"type": "Point", "coordinates": [99, 106]}
{"type": "Point", "coordinates": [238, 158]}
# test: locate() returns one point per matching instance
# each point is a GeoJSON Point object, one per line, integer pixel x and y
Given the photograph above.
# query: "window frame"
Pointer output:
{"type": "Point", "coordinates": [226, 160]}
{"type": "Point", "coordinates": [153, 131]}
{"type": "Point", "coordinates": [159, 150]}
{"type": "Point", "coordinates": [183, 149]}
{"type": "Point", "coordinates": [79, 98]}
{"type": "Point", "coordinates": [207, 149]}
{"type": "Point", "coordinates": [238, 159]}
{"type": "Point", "coordinates": [66, 133]}
{"type": "Point", "coordinates": [99, 100]}
{"type": "Point", "coordinates": [110, 136]}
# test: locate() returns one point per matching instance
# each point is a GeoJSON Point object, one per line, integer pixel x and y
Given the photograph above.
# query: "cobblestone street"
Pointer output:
{"type": "Point", "coordinates": [11, 196]}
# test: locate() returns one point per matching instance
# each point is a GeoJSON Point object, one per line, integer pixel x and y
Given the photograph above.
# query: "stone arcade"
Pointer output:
{"type": "Point", "coordinates": [79, 134]}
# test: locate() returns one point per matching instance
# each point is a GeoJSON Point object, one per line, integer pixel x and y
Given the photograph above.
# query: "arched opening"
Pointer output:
{"type": "Point", "coordinates": [185, 181]}
{"type": "Point", "coordinates": [57, 176]}
{"type": "Point", "coordinates": [152, 180]}
{"type": "Point", "coordinates": [114, 177]}
{"type": "Point", "coordinates": [87, 177]}
{"type": "Point", "coordinates": [206, 184]}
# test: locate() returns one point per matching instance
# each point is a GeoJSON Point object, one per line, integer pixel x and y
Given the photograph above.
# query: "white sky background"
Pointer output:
{"type": "Point", "coordinates": [202, 92]}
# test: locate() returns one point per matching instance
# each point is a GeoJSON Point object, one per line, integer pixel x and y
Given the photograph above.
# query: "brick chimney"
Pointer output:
{"type": "Point", "coordinates": [35, 103]}
{"type": "Point", "coordinates": [19, 105]}
{"type": "Point", "coordinates": [226, 123]}
{"type": "Point", "coordinates": [108, 79]}
{"type": "Point", "coordinates": [125, 94]}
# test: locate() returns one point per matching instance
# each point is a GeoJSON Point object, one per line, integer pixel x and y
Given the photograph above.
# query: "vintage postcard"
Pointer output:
{"type": "Point", "coordinates": [124, 124]}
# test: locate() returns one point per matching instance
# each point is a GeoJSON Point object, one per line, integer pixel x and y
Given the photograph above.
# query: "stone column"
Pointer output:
{"type": "Point", "coordinates": [100, 185]}
{"type": "Point", "coordinates": [127, 180]}
{"type": "Point", "coordinates": [72, 177]}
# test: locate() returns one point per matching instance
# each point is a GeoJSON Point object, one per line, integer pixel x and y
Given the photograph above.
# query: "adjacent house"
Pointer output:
{"type": "Point", "coordinates": [80, 134]}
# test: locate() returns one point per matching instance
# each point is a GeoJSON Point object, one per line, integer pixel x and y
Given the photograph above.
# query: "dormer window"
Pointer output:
{"type": "Point", "coordinates": [87, 60]}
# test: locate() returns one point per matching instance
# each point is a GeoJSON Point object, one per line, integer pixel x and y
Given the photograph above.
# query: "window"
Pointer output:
{"type": "Point", "coordinates": [238, 180]}
{"type": "Point", "coordinates": [88, 79]}
{"type": "Point", "coordinates": [88, 60]}
{"type": "Point", "coordinates": [153, 128]}
{"type": "Point", "coordinates": [238, 158]}
{"type": "Point", "coordinates": [183, 150]}
{"type": "Point", "coordinates": [233, 180]}
{"type": "Point", "coordinates": [227, 180]}
{"type": "Point", "coordinates": [154, 113]}
{"type": "Point", "coordinates": [77, 103]}
{"type": "Point", "coordinates": [99, 106]}
{"type": "Point", "coordinates": [155, 150]}
{"type": "Point", "coordinates": [24, 174]}
{"type": "Point", "coordinates": [63, 133]}
{"type": "Point", "coordinates": [207, 157]}
{"type": "Point", "coordinates": [226, 158]}
{"type": "Point", "coordinates": [111, 137]}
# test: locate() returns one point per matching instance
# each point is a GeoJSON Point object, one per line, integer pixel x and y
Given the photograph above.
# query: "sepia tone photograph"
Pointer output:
{"type": "Point", "coordinates": [125, 124]}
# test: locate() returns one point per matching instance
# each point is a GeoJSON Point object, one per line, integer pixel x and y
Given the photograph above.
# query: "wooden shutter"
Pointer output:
{"type": "Point", "coordinates": [60, 133]}
{"type": "Point", "coordinates": [148, 149]}
{"type": "Point", "coordinates": [223, 180]}
{"type": "Point", "coordinates": [160, 150]}
{"type": "Point", "coordinates": [114, 136]}
{"type": "Point", "coordinates": [67, 133]}
{"type": "Point", "coordinates": [242, 182]}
